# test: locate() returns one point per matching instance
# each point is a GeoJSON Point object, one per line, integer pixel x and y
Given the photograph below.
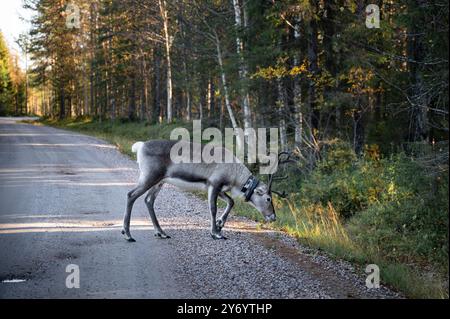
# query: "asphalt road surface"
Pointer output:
{"type": "Point", "coordinates": [62, 199]}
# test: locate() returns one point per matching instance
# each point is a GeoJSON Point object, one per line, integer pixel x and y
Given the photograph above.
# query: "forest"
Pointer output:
{"type": "Point", "coordinates": [13, 83]}
{"type": "Point", "coordinates": [359, 94]}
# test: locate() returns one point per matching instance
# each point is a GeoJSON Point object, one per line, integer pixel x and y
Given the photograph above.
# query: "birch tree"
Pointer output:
{"type": "Point", "coordinates": [168, 45]}
{"type": "Point", "coordinates": [243, 68]}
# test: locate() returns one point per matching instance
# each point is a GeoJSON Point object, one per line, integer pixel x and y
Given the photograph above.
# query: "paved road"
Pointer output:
{"type": "Point", "coordinates": [62, 197]}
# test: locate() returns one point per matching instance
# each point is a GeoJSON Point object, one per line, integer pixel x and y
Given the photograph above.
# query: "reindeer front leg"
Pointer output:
{"type": "Point", "coordinates": [223, 219]}
{"type": "Point", "coordinates": [213, 193]}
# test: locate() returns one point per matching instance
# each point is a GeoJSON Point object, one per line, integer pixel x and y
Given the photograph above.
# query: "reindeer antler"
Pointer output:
{"type": "Point", "coordinates": [272, 177]}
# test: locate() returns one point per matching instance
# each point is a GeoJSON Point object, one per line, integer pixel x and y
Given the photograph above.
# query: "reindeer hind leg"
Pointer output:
{"type": "Point", "coordinates": [150, 202]}
{"type": "Point", "coordinates": [146, 181]}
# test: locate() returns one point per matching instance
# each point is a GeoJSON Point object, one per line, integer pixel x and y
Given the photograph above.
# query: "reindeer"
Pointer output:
{"type": "Point", "coordinates": [156, 168]}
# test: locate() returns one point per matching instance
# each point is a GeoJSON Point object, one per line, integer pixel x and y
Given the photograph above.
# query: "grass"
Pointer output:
{"type": "Point", "coordinates": [318, 222]}
{"type": "Point", "coordinates": [326, 232]}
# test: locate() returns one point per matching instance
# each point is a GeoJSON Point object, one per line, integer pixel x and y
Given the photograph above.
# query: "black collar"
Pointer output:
{"type": "Point", "coordinates": [249, 187]}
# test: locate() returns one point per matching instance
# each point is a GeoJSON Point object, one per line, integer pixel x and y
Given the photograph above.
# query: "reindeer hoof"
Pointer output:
{"type": "Point", "coordinates": [128, 238]}
{"type": "Point", "coordinates": [162, 236]}
{"type": "Point", "coordinates": [218, 236]}
{"type": "Point", "coordinates": [219, 225]}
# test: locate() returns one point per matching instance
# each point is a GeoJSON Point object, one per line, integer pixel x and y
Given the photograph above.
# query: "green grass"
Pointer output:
{"type": "Point", "coordinates": [334, 239]}
{"type": "Point", "coordinates": [366, 212]}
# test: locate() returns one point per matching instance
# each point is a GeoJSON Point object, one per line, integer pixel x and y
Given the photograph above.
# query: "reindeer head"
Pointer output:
{"type": "Point", "coordinates": [262, 195]}
{"type": "Point", "coordinates": [261, 199]}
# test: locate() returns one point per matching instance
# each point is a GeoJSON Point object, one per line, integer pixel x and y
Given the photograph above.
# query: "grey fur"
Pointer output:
{"type": "Point", "coordinates": [218, 179]}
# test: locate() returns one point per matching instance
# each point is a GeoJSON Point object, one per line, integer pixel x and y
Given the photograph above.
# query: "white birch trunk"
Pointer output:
{"type": "Point", "coordinates": [168, 44]}
{"type": "Point", "coordinates": [298, 115]}
{"type": "Point", "coordinates": [225, 86]}
{"type": "Point", "coordinates": [282, 107]}
{"type": "Point", "coordinates": [243, 69]}
{"type": "Point", "coordinates": [188, 93]}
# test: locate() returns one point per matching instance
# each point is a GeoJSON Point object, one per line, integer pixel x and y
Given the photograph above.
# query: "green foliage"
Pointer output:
{"type": "Point", "coordinates": [337, 155]}
{"type": "Point", "coordinates": [393, 209]}
{"type": "Point", "coordinates": [410, 224]}
{"type": "Point", "coordinates": [5, 78]}
{"type": "Point", "coordinates": [391, 205]}
{"type": "Point", "coordinates": [12, 82]}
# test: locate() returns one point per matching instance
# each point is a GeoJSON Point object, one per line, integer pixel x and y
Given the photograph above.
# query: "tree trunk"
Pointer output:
{"type": "Point", "coordinates": [224, 84]}
{"type": "Point", "coordinates": [93, 43]}
{"type": "Point", "coordinates": [187, 91]}
{"type": "Point", "coordinates": [132, 99]}
{"type": "Point", "coordinates": [313, 69]}
{"type": "Point", "coordinates": [144, 96]}
{"type": "Point", "coordinates": [211, 97]}
{"type": "Point", "coordinates": [328, 25]}
{"type": "Point", "coordinates": [358, 128]}
{"type": "Point", "coordinates": [298, 115]}
{"type": "Point", "coordinates": [157, 85]}
{"type": "Point", "coordinates": [243, 68]}
{"type": "Point", "coordinates": [85, 92]}
{"type": "Point", "coordinates": [62, 100]}
{"type": "Point", "coordinates": [203, 91]}
{"type": "Point", "coordinates": [418, 98]}
{"type": "Point", "coordinates": [168, 44]}
{"type": "Point", "coordinates": [282, 107]}
{"type": "Point", "coordinates": [222, 111]}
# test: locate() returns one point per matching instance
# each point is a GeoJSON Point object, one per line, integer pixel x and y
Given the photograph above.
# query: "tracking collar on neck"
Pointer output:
{"type": "Point", "coordinates": [249, 187]}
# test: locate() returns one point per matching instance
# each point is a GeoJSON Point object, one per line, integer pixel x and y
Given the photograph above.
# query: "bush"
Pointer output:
{"type": "Point", "coordinates": [392, 205]}
{"type": "Point", "coordinates": [411, 225]}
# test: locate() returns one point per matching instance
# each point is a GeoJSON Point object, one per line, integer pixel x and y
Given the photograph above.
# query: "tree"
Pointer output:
{"type": "Point", "coordinates": [168, 44]}
{"type": "Point", "coordinates": [243, 68]}
{"type": "Point", "coordinates": [5, 78]}
{"type": "Point", "coordinates": [13, 97]}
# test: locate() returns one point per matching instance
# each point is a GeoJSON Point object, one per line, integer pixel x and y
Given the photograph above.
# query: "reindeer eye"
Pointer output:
{"type": "Point", "coordinates": [268, 199]}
